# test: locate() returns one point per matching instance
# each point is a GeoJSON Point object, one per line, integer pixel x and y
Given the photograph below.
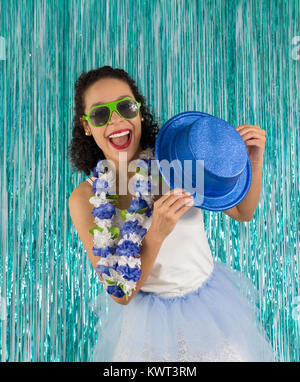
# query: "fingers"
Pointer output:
{"type": "Point", "coordinates": [175, 199]}
{"type": "Point", "coordinates": [252, 129]}
{"type": "Point", "coordinates": [169, 197]}
{"type": "Point", "coordinates": [183, 202]}
{"type": "Point", "coordinates": [183, 209]}
{"type": "Point", "coordinates": [175, 191]}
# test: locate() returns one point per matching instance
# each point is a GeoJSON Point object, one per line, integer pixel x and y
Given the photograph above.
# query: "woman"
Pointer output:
{"type": "Point", "coordinates": [185, 306]}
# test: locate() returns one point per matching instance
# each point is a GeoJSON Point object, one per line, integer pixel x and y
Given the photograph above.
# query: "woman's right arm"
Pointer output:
{"type": "Point", "coordinates": [81, 213]}
{"type": "Point", "coordinates": [164, 218]}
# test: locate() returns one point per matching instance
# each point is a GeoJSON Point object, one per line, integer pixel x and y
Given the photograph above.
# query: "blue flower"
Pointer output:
{"type": "Point", "coordinates": [129, 227]}
{"type": "Point", "coordinates": [99, 186]}
{"type": "Point", "coordinates": [104, 252]}
{"type": "Point", "coordinates": [104, 211]}
{"type": "Point", "coordinates": [103, 269]}
{"type": "Point", "coordinates": [136, 205]}
{"type": "Point", "coordinates": [115, 291]}
{"type": "Point", "coordinates": [128, 273]}
{"type": "Point", "coordinates": [132, 227]}
{"type": "Point", "coordinates": [127, 248]}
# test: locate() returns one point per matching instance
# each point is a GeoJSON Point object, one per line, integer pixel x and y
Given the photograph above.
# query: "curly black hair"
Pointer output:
{"type": "Point", "coordinates": [83, 151]}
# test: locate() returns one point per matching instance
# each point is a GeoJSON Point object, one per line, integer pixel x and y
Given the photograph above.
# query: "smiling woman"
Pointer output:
{"type": "Point", "coordinates": [170, 301]}
{"type": "Point", "coordinates": [104, 120]}
{"type": "Point", "coordinates": [101, 86]}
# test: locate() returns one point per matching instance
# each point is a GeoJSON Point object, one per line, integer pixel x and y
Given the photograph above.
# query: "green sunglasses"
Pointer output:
{"type": "Point", "coordinates": [100, 115]}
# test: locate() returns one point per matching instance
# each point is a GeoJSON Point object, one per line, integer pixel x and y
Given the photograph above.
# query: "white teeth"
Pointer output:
{"type": "Point", "coordinates": [119, 135]}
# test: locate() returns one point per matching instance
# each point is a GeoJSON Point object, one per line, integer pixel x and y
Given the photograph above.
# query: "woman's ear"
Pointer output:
{"type": "Point", "coordinates": [82, 122]}
{"type": "Point", "coordinates": [84, 125]}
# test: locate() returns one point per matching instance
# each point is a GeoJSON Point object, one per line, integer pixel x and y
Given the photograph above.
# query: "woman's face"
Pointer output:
{"type": "Point", "coordinates": [104, 91]}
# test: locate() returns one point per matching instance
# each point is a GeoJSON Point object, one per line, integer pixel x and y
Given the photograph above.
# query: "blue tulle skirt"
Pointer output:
{"type": "Point", "coordinates": [217, 322]}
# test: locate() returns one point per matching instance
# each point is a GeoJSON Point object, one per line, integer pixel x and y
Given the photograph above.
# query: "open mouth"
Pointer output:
{"type": "Point", "coordinates": [121, 142]}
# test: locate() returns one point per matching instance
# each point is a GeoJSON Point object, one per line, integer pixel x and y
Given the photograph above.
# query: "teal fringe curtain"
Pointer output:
{"type": "Point", "coordinates": [238, 60]}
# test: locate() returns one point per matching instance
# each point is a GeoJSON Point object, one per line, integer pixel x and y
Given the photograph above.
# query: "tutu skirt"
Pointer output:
{"type": "Point", "coordinates": [216, 322]}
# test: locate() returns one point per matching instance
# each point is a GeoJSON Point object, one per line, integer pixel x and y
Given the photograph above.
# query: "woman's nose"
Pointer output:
{"type": "Point", "coordinates": [115, 117]}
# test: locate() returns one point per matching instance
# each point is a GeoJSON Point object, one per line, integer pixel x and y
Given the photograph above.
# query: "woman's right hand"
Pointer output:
{"type": "Point", "coordinates": [167, 210]}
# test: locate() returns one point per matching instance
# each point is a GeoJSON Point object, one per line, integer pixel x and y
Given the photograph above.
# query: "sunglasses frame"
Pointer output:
{"type": "Point", "coordinates": [112, 107]}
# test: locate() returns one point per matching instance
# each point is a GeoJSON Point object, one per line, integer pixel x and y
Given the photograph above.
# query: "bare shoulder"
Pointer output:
{"type": "Point", "coordinates": [80, 210]}
{"type": "Point", "coordinates": [81, 192]}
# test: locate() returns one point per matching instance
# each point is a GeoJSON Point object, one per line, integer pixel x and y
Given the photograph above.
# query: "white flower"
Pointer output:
{"type": "Point", "coordinates": [132, 262]}
{"type": "Point", "coordinates": [132, 217]}
{"type": "Point", "coordinates": [114, 276]}
{"type": "Point", "coordinates": [128, 286]}
{"type": "Point", "coordinates": [98, 200]}
{"type": "Point", "coordinates": [103, 223]}
{"type": "Point", "coordinates": [133, 237]}
{"type": "Point", "coordinates": [109, 260]}
{"type": "Point", "coordinates": [103, 239]}
{"type": "Point", "coordinates": [100, 168]}
{"type": "Point", "coordinates": [109, 177]}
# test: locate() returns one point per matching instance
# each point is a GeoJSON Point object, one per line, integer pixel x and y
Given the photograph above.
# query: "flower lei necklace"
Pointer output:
{"type": "Point", "coordinates": [119, 264]}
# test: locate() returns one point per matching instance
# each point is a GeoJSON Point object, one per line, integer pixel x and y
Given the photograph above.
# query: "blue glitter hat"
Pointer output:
{"type": "Point", "coordinates": [221, 154]}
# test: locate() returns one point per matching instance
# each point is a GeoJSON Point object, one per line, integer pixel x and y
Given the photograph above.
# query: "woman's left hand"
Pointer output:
{"type": "Point", "coordinates": [254, 138]}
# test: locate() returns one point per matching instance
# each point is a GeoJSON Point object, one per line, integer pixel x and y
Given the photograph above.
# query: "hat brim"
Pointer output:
{"type": "Point", "coordinates": [211, 203]}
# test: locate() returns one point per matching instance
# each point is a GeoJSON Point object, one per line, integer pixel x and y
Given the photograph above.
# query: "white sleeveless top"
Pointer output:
{"type": "Point", "coordinates": [184, 260]}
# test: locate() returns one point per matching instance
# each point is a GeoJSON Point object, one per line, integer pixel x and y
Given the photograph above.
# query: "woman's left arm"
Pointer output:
{"type": "Point", "coordinates": [254, 138]}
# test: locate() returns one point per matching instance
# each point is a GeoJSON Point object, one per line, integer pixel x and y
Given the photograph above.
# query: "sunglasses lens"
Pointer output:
{"type": "Point", "coordinates": [128, 109]}
{"type": "Point", "coordinates": [99, 116]}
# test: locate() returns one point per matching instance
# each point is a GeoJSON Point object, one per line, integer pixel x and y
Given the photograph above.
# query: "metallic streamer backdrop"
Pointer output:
{"type": "Point", "coordinates": [238, 60]}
